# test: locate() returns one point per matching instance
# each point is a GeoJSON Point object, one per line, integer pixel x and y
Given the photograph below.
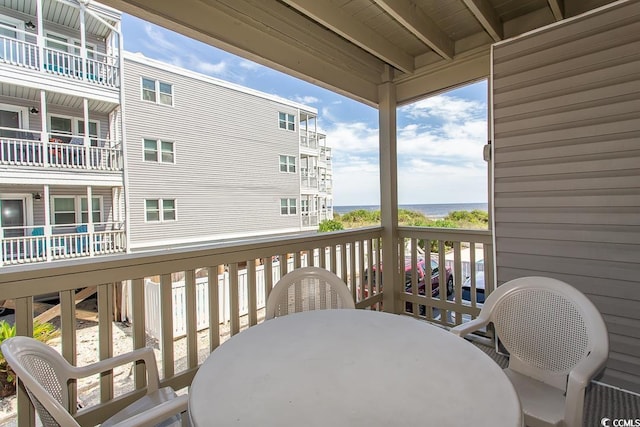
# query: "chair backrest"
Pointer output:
{"type": "Point", "coordinates": [308, 288]}
{"type": "Point", "coordinates": [45, 374]}
{"type": "Point", "coordinates": [548, 327]}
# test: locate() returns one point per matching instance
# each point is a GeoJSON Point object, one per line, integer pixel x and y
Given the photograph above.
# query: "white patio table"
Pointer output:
{"type": "Point", "coordinates": [351, 368]}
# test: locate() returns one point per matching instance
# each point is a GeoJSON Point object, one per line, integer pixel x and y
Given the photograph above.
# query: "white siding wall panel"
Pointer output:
{"type": "Point", "coordinates": [566, 104]}
{"type": "Point", "coordinates": [226, 177]}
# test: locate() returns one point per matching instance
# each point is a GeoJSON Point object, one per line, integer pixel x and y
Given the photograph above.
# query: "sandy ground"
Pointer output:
{"type": "Point", "coordinates": [86, 339]}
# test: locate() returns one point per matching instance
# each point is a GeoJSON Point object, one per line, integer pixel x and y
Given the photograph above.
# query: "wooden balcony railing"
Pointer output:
{"type": "Point", "coordinates": [462, 254]}
{"type": "Point", "coordinates": [205, 294]}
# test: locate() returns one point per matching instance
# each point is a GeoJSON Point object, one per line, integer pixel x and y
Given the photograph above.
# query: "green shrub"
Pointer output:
{"type": "Point", "coordinates": [361, 215]}
{"type": "Point", "coordinates": [330, 225]}
{"type": "Point", "coordinates": [41, 331]}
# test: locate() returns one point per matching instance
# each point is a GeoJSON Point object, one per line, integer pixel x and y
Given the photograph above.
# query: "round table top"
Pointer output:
{"type": "Point", "coordinates": [351, 368]}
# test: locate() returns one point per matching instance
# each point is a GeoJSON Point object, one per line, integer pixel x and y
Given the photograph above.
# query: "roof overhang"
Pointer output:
{"type": "Point", "coordinates": [352, 46]}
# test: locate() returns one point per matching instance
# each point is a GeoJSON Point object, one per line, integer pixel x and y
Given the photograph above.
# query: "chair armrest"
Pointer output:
{"type": "Point", "coordinates": [578, 380]}
{"type": "Point", "coordinates": [157, 414]}
{"type": "Point", "coordinates": [466, 328]}
{"type": "Point", "coordinates": [145, 354]}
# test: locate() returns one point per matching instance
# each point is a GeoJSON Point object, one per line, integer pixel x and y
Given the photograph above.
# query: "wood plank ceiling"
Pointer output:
{"type": "Point", "coordinates": [351, 46]}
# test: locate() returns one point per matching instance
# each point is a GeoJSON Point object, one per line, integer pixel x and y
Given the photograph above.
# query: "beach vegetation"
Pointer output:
{"type": "Point", "coordinates": [41, 331]}
{"type": "Point", "coordinates": [475, 219]}
{"type": "Point", "coordinates": [330, 225]}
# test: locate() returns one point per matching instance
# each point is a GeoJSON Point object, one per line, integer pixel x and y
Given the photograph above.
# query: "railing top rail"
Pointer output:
{"type": "Point", "coordinates": [52, 277]}
{"type": "Point", "coordinates": [457, 234]}
{"type": "Point", "coordinates": [16, 30]}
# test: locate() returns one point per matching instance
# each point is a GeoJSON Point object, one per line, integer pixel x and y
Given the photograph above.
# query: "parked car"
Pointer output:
{"type": "Point", "coordinates": [421, 271]}
{"type": "Point", "coordinates": [466, 289]}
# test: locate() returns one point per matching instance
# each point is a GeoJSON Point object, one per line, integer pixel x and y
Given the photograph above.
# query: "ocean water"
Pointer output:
{"type": "Point", "coordinates": [430, 210]}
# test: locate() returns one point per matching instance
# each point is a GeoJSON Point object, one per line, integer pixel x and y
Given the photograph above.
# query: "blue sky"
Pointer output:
{"type": "Point", "coordinates": [440, 139]}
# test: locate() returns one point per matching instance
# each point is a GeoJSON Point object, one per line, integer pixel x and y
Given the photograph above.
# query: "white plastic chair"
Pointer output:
{"type": "Point", "coordinates": [305, 289]}
{"type": "Point", "coordinates": [557, 341]}
{"type": "Point", "coordinates": [45, 374]}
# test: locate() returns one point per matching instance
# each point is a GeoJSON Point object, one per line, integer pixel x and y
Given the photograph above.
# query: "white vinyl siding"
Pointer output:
{"type": "Point", "coordinates": [228, 180]}
{"type": "Point", "coordinates": [157, 92]}
{"type": "Point", "coordinates": [566, 176]}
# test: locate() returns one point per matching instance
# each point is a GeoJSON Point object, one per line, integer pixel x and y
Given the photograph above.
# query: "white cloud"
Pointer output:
{"type": "Point", "coordinates": [444, 107]}
{"type": "Point", "coordinates": [307, 99]}
{"type": "Point", "coordinates": [156, 39]}
{"type": "Point", "coordinates": [209, 67]}
{"type": "Point", "coordinates": [439, 155]}
{"type": "Point", "coordinates": [249, 65]}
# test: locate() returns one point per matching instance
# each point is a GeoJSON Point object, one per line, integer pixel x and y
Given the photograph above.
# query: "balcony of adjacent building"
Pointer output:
{"type": "Point", "coordinates": [23, 148]}
{"type": "Point", "coordinates": [50, 136]}
{"type": "Point", "coordinates": [50, 223]}
{"type": "Point", "coordinates": [65, 46]}
{"type": "Point", "coordinates": [324, 159]}
{"type": "Point", "coordinates": [308, 179]}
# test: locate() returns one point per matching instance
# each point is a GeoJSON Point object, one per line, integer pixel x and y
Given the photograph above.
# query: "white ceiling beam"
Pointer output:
{"type": "Point", "coordinates": [333, 18]}
{"type": "Point", "coordinates": [487, 17]}
{"type": "Point", "coordinates": [557, 8]}
{"type": "Point", "coordinates": [443, 76]}
{"type": "Point", "coordinates": [420, 25]}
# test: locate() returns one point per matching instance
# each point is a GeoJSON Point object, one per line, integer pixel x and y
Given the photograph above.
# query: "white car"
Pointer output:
{"type": "Point", "coordinates": [466, 289]}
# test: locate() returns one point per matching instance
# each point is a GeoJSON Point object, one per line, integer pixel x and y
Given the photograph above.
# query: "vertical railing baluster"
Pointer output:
{"type": "Point", "coordinates": [415, 288]}
{"type": "Point", "coordinates": [334, 258]}
{"type": "Point", "coordinates": [68, 340]}
{"type": "Point", "coordinates": [322, 255]}
{"type": "Point", "coordinates": [268, 276]}
{"type": "Point", "coordinates": [214, 307]}
{"type": "Point", "coordinates": [234, 299]}
{"type": "Point", "coordinates": [353, 269]}
{"type": "Point", "coordinates": [192, 320]}
{"type": "Point", "coordinates": [139, 328]}
{"type": "Point", "coordinates": [253, 299]}
{"type": "Point", "coordinates": [343, 262]}
{"type": "Point", "coordinates": [166, 320]}
{"type": "Point", "coordinates": [24, 327]}
{"type": "Point", "coordinates": [457, 281]}
{"type": "Point", "coordinates": [105, 333]}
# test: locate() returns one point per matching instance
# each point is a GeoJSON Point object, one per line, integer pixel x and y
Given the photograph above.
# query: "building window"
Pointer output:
{"type": "Point", "coordinates": [288, 164]}
{"type": "Point", "coordinates": [288, 207]}
{"type": "Point", "coordinates": [157, 92]}
{"type": "Point", "coordinates": [64, 210]}
{"type": "Point", "coordinates": [160, 210]}
{"type": "Point", "coordinates": [287, 121]}
{"type": "Point", "coordinates": [61, 125]}
{"type": "Point", "coordinates": [156, 150]}
{"type": "Point", "coordinates": [95, 210]}
{"type": "Point", "coordinates": [73, 210]}
{"type": "Point", "coordinates": [148, 90]}
{"type": "Point", "coordinates": [64, 128]}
